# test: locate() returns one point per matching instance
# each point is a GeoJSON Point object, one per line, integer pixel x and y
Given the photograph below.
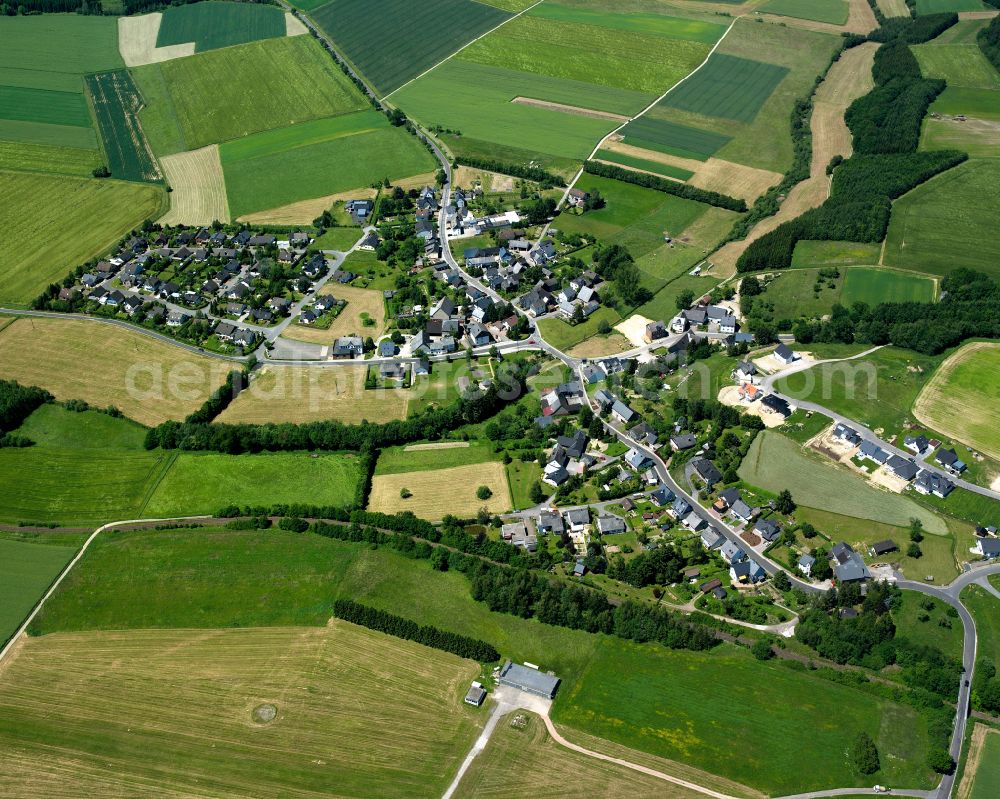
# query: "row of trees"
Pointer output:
{"type": "Point", "coordinates": [885, 124]}
{"type": "Point", "coordinates": [989, 40]}
{"type": "Point", "coordinates": [666, 186]}
{"type": "Point", "coordinates": [219, 400]}
{"type": "Point", "coordinates": [460, 645]}
{"type": "Point", "coordinates": [535, 173]}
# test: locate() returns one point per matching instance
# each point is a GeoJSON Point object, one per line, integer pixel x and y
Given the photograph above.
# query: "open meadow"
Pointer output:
{"type": "Point", "coordinates": [833, 12]}
{"type": "Point", "coordinates": [960, 400]}
{"type": "Point", "coordinates": [147, 380]}
{"type": "Point", "coordinates": [775, 463]}
{"type": "Point", "coordinates": [26, 572]}
{"type": "Point", "coordinates": [52, 223]}
{"type": "Point", "coordinates": [948, 222]}
{"type": "Point", "coordinates": [439, 491]}
{"type": "Point", "coordinates": [298, 710]}
{"type": "Point", "coordinates": [185, 109]}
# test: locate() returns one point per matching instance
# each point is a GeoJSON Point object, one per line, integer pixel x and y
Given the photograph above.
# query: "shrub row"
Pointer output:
{"type": "Point", "coordinates": [236, 381]}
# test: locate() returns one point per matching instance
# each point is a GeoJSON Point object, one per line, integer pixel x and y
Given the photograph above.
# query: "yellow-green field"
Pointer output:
{"type": "Point", "coordinates": [439, 492]}
{"type": "Point", "coordinates": [52, 223]}
{"type": "Point", "coordinates": [350, 321]}
{"type": "Point", "coordinates": [171, 713]}
{"type": "Point", "coordinates": [147, 380]}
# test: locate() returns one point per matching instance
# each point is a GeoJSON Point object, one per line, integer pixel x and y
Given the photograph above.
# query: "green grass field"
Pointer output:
{"type": "Point", "coordinates": [979, 103]}
{"type": "Point", "coordinates": [337, 238]}
{"type": "Point", "coordinates": [30, 157]}
{"type": "Point", "coordinates": [834, 253]}
{"type": "Point", "coordinates": [651, 133]}
{"type": "Point", "coordinates": [53, 223]}
{"type": "Point", "coordinates": [317, 158]}
{"type": "Point", "coordinates": [831, 11]}
{"type": "Point", "coordinates": [729, 87]}
{"type": "Point", "coordinates": [644, 164]}
{"type": "Point", "coordinates": [987, 782]}
{"type": "Point", "coordinates": [44, 105]}
{"type": "Point", "coordinates": [213, 25]}
{"type": "Point", "coordinates": [408, 39]}
{"type": "Point", "coordinates": [270, 84]}
{"type": "Point", "coordinates": [964, 31]}
{"type": "Point", "coordinates": [562, 335]}
{"type": "Point", "coordinates": [876, 285]}
{"type": "Point", "coordinates": [522, 476]}
{"type": "Point", "coordinates": [117, 102]}
{"type": "Point", "coordinates": [961, 65]}
{"type": "Point", "coordinates": [775, 463]}
{"type": "Point", "coordinates": [475, 99]}
{"type": "Point", "coordinates": [26, 571]}
{"type": "Point", "coordinates": [628, 19]}
{"type": "Point", "coordinates": [401, 460]}
{"type": "Point", "coordinates": [202, 483]}
{"type": "Point", "coordinates": [984, 608]}
{"type": "Point", "coordinates": [946, 637]}
{"type": "Point", "coordinates": [939, 6]}
{"type": "Point", "coordinates": [948, 222]}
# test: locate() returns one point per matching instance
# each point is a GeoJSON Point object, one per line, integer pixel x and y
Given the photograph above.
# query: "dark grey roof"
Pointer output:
{"type": "Point", "coordinates": [527, 679]}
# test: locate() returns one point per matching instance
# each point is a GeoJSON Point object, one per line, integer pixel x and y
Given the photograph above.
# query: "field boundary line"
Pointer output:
{"type": "Point", "coordinates": [69, 566]}
{"type": "Point", "coordinates": [460, 49]}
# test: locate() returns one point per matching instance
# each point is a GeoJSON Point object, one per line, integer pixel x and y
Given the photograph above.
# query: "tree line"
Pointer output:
{"type": "Point", "coordinates": [989, 40]}
{"type": "Point", "coordinates": [220, 399]}
{"type": "Point", "coordinates": [666, 186]}
{"type": "Point", "coordinates": [885, 124]}
{"type": "Point", "coordinates": [535, 173]}
{"type": "Point", "coordinates": [425, 634]}
{"type": "Point", "coordinates": [17, 403]}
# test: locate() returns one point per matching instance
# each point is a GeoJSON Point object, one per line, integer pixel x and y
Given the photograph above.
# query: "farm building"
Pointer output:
{"type": "Point", "coordinates": [529, 680]}
{"type": "Point", "coordinates": [476, 695]}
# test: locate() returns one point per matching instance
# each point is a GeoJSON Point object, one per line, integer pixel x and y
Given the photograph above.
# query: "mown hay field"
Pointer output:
{"type": "Point", "coordinates": [199, 187]}
{"type": "Point", "coordinates": [149, 381]}
{"type": "Point", "coordinates": [960, 400]}
{"type": "Point", "coordinates": [213, 25]}
{"type": "Point", "coordinates": [26, 571]}
{"type": "Point", "coordinates": [833, 12]}
{"type": "Point", "coordinates": [269, 84]}
{"type": "Point", "coordinates": [409, 38]}
{"type": "Point", "coordinates": [961, 65]}
{"type": "Point", "coordinates": [40, 157]}
{"type": "Point", "coordinates": [52, 223]}
{"type": "Point", "coordinates": [443, 455]}
{"type": "Point", "coordinates": [116, 104]}
{"type": "Point", "coordinates": [172, 712]}
{"type": "Point", "coordinates": [775, 463]}
{"type": "Point", "coordinates": [435, 493]}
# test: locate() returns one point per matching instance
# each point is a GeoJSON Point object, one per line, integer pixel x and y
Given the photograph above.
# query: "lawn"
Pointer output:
{"type": "Point", "coordinates": [202, 483]}
{"type": "Point", "coordinates": [948, 222]}
{"type": "Point", "coordinates": [642, 697]}
{"type": "Point", "coordinates": [340, 239]}
{"type": "Point", "coordinates": [522, 475]}
{"type": "Point", "coordinates": [26, 571]}
{"type": "Point", "coordinates": [960, 399]}
{"type": "Point", "coordinates": [116, 712]}
{"type": "Point", "coordinates": [316, 159]}
{"type": "Point", "coordinates": [409, 38]}
{"type": "Point", "coordinates": [878, 390]}
{"type": "Point", "coordinates": [85, 468]}
{"type": "Point", "coordinates": [439, 491]}
{"type": "Point", "coordinates": [186, 110]}
{"type": "Point", "coordinates": [834, 253]}
{"type": "Point", "coordinates": [148, 380]}
{"type": "Point", "coordinates": [775, 463]}
{"type": "Point", "coordinates": [833, 12]}
{"type": "Point", "coordinates": [562, 335]}
{"type": "Point", "coordinates": [53, 223]}
{"type": "Point", "coordinates": [214, 24]}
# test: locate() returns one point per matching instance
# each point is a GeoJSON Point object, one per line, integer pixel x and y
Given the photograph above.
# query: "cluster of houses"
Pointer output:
{"type": "Point", "coordinates": [705, 316]}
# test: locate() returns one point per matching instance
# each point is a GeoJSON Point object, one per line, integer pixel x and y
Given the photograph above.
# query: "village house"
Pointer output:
{"type": "Point", "coordinates": [784, 355]}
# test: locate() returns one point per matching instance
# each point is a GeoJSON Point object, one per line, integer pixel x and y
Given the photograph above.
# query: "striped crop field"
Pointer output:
{"type": "Point", "coordinates": [116, 103]}
{"type": "Point", "coordinates": [727, 87]}
{"type": "Point", "coordinates": [217, 24]}
{"type": "Point", "coordinates": [651, 133]}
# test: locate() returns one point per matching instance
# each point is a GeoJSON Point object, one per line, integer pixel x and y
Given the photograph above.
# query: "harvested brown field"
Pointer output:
{"type": "Point", "coordinates": [439, 492]}
{"type": "Point", "coordinates": [467, 177]}
{"type": "Point", "coordinates": [146, 379]}
{"type": "Point", "coordinates": [736, 180]}
{"type": "Point", "coordinates": [569, 109]}
{"type": "Point", "coordinates": [294, 26]}
{"type": "Point", "coordinates": [599, 346]}
{"type": "Point", "coordinates": [847, 80]}
{"type": "Point", "coordinates": [199, 187]}
{"type": "Point", "coordinates": [893, 8]}
{"type": "Point", "coordinates": [308, 394]}
{"type": "Point", "coordinates": [137, 41]}
{"type": "Point", "coordinates": [359, 302]}
{"type": "Point", "coordinates": [295, 711]}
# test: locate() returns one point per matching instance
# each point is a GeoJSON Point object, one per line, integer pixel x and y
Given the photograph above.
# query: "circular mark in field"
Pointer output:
{"type": "Point", "coordinates": [265, 714]}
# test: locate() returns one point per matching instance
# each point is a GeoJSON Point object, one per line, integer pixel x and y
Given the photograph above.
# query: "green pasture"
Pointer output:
{"type": "Point", "coordinates": [664, 170]}
{"type": "Point", "coordinates": [316, 131]}
{"type": "Point", "coordinates": [961, 65]}
{"type": "Point", "coordinates": [43, 105]}
{"type": "Point", "coordinates": [60, 45]}
{"type": "Point", "coordinates": [475, 99]}
{"type": "Point", "coordinates": [874, 285]}
{"type": "Point", "coordinates": [877, 390]}
{"type": "Point", "coordinates": [466, 146]}
{"type": "Point", "coordinates": [522, 475]}
{"type": "Point", "coordinates": [664, 302]}
{"type": "Point", "coordinates": [946, 636]}
{"type": "Point", "coordinates": [618, 57]}
{"type": "Point", "coordinates": [202, 483]}
{"type": "Point", "coordinates": [26, 572]}
{"type": "Point", "coordinates": [949, 222]}
{"type": "Point", "coordinates": [775, 463]}
{"type": "Point", "coordinates": [979, 138]}
{"type": "Point", "coordinates": [317, 169]}
{"type": "Point", "coordinates": [728, 87]}
{"type": "Point", "coordinates": [987, 782]}
{"type": "Point", "coordinates": [212, 25]}
{"type": "Point", "coordinates": [793, 293]}
{"type": "Point", "coordinates": [269, 84]}
{"type": "Point", "coordinates": [985, 610]}
{"type": "Point", "coordinates": [51, 223]}
{"type": "Point", "coordinates": [978, 103]}
{"type": "Point", "coordinates": [964, 31]}
{"type": "Point", "coordinates": [834, 253]}
{"type": "Point", "coordinates": [940, 6]}
{"type": "Point", "coordinates": [400, 460]}
{"type": "Point", "coordinates": [48, 158]}
{"type": "Point", "coordinates": [309, 5]}
{"type": "Point", "coordinates": [407, 38]}
{"type": "Point", "coordinates": [833, 12]}
{"type": "Point", "coordinates": [73, 136]}
{"type": "Point", "coordinates": [652, 133]}
{"type": "Point", "coordinates": [638, 22]}
{"type": "Point", "coordinates": [117, 102]}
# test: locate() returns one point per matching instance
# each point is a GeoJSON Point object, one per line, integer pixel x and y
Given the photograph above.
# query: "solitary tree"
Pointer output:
{"type": "Point", "coordinates": [536, 494]}
{"type": "Point", "coordinates": [916, 530]}
{"type": "Point", "coordinates": [761, 650]}
{"type": "Point", "coordinates": [483, 493]}
{"type": "Point", "coordinates": [913, 550]}
{"type": "Point", "coordinates": [785, 504]}
{"type": "Point", "coordinates": [405, 493]}
{"type": "Point", "coordinates": [865, 755]}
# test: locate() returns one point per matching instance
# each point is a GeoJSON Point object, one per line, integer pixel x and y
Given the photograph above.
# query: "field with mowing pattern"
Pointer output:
{"type": "Point", "coordinates": [651, 133]}
{"type": "Point", "coordinates": [26, 572]}
{"type": "Point", "coordinates": [644, 165]}
{"type": "Point", "coordinates": [834, 253]}
{"type": "Point", "coordinates": [961, 65]}
{"type": "Point", "coordinates": [438, 492]}
{"type": "Point", "coordinates": [949, 222]}
{"type": "Point", "coordinates": [117, 102]}
{"type": "Point", "coordinates": [198, 195]}
{"type": "Point", "coordinates": [728, 87]}
{"type": "Point", "coordinates": [418, 458]}
{"type": "Point", "coordinates": [960, 400]}
{"type": "Point", "coordinates": [186, 110]}
{"type": "Point", "coordinates": [52, 223]}
{"type": "Point", "coordinates": [148, 380]}
{"type": "Point", "coordinates": [775, 463]}
{"type": "Point", "coordinates": [833, 12]}
{"type": "Point", "coordinates": [409, 38]}
{"type": "Point", "coordinates": [100, 713]}
{"type": "Point", "coordinates": [213, 25]}
{"type": "Point", "coordinates": [31, 157]}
